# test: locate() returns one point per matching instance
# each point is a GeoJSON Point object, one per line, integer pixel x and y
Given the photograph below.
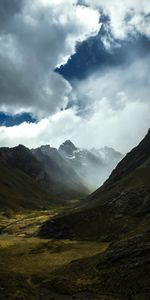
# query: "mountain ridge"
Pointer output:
{"type": "Point", "coordinates": [43, 174]}
{"type": "Point", "coordinates": [117, 201]}
{"type": "Point", "coordinates": [118, 214]}
{"type": "Point", "coordinates": [93, 165]}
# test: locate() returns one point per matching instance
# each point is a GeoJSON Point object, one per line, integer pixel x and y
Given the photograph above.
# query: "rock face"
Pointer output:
{"type": "Point", "coordinates": [67, 149]}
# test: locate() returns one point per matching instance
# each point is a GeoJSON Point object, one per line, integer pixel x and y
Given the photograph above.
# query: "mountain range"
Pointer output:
{"type": "Point", "coordinates": [118, 213]}
{"type": "Point", "coordinates": [93, 166]}
{"type": "Point", "coordinates": [41, 177]}
{"type": "Point", "coordinates": [124, 195]}
{"type": "Point", "coordinates": [99, 248]}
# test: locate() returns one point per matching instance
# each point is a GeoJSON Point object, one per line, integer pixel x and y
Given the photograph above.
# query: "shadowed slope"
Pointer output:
{"type": "Point", "coordinates": [66, 182]}
{"type": "Point", "coordinates": [21, 180]}
{"type": "Point", "coordinates": [118, 207]}
{"type": "Point", "coordinates": [118, 213]}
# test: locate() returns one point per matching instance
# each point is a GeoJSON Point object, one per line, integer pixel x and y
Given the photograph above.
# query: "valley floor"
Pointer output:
{"type": "Point", "coordinates": [29, 266]}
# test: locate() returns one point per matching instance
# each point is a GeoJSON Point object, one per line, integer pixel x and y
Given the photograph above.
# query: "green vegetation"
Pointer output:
{"type": "Point", "coordinates": [27, 263]}
{"type": "Point", "coordinates": [70, 269]}
{"type": "Point", "coordinates": [100, 250]}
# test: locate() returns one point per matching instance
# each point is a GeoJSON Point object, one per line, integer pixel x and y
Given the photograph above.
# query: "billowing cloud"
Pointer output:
{"type": "Point", "coordinates": [127, 17]}
{"type": "Point", "coordinates": [119, 85]}
{"type": "Point", "coordinates": [110, 106]}
{"type": "Point", "coordinates": [119, 129]}
{"type": "Point", "coordinates": [35, 38]}
{"type": "Point", "coordinates": [116, 113]}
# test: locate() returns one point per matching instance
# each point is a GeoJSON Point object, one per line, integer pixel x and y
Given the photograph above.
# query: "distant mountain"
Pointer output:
{"type": "Point", "coordinates": [111, 208]}
{"type": "Point", "coordinates": [67, 149]}
{"type": "Point", "coordinates": [109, 155]}
{"type": "Point", "coordinates": [76, 171]}
{"type": "Point", "coordinates": [36, 179]}
{"type": "Point", "coordinates": [93, 166]}
{"type": "Point", "coordinates": [39, 177]}
{"type": "Point", "coordinates": [117, 214]}
{"type": "Point", "coordinates": [66, 182]}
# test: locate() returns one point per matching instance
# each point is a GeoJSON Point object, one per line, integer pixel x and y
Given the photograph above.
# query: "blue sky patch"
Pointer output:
{"type": "Point", "coordinates": [12, 120]}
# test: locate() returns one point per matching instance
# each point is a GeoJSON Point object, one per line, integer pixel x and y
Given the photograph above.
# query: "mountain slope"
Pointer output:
{"type": "Point", "coordinates": [20, 181]}
{"type": "Point", "coordinates": [134, 159]}
{"type": "Point", "coordinates": [32, 177]}
{"type": "Point", "coordinates": [93, 166]}
{"type": "Point", "coordinates": [118, 213]}
{"type": "Point", "coordinates": [29, 181]}
{"type": "Point", "coordinates": [65, 181]}
{"type": "Point", "coordinates": [117, 207]}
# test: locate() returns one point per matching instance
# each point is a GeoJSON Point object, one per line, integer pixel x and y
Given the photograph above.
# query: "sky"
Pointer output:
{"type": "Point", "coordinates": [77, 70]}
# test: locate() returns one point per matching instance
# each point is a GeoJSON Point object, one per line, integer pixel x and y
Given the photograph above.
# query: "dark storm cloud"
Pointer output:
{"type": "Point", "coordinates": [25, 59]}
{"type": "Point", "coordinates": [8, 9]}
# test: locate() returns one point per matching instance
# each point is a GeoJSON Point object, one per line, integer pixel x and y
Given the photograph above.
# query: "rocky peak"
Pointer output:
{"type": "Point", "coordinates": [45, 149]}
{"type": "Point", "coordinates": [67, 148]}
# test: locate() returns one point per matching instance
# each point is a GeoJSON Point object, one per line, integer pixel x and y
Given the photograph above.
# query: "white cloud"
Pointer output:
{"type": "Point", "coordinates": [126, 16]}
{"type": "Point", "coordinates": [42, 35]}
{"type": "Point", "coordinates": [120, 85]}
{"type": "Point", "coordinates": [117, 113]}
{"type": "Point", "coordinates": [36, 38]}
{"type": "Point", "coordinates": [104, 127]}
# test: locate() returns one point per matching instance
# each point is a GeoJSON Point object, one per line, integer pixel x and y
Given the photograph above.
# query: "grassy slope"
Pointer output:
{"type": "Point", "coordinates": [119, 215]}
{"type": "Point", "coordinates": [100, 251]}
{"type": "Point", "coordinates": [122, 272]}
{"type": "Point", "coordinates": [70, 269]}
{"type": "Point", "coordinates": [28, 264]}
